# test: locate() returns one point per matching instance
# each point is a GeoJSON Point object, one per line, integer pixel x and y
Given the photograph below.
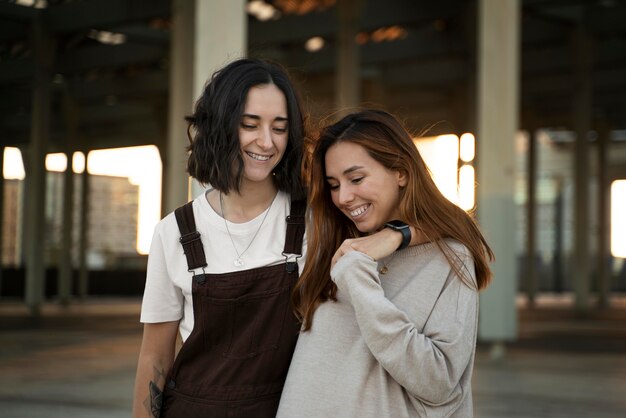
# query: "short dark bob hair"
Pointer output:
{"type": "Point", "coordinates": [215, 157]}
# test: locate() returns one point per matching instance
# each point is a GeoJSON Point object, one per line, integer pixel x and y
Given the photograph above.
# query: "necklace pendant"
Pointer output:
{"type": "Point", "coordinates": [238, 262]}
{"type": "Point", "coordinates": [383, 270]}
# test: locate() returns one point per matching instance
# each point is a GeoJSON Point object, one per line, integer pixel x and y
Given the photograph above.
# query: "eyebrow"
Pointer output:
{"type": "Point", "coordinates": [257, 117]}
{"type": "Point", "coordinates": [347, 171]}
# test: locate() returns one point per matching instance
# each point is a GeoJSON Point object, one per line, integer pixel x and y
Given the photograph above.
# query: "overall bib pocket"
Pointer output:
{"type": "Point", "coordinates": [257, 317]}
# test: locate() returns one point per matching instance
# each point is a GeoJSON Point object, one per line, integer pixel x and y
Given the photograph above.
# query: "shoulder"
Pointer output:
{"type": "Point", "coordinates": [445, 260]}
{"type": "Point", "coordinates": [168, 225]}
{"type": "Point", "coordinates": [463, 262]}
{"type": "Point", "coordinates": [457, 248]}
{"type": "Point", "coordinates": [164, 229]}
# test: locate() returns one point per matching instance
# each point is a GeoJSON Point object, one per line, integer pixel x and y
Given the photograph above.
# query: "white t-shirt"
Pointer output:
{"type": "Point", "coordinates": [167, 295]}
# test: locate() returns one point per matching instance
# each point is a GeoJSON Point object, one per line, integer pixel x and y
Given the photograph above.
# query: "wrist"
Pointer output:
{"type": "Point", "coordinates": [403, 229]}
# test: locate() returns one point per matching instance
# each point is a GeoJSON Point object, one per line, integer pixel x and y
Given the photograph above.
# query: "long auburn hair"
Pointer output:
{"type": "Point", "coordinates": [421, 205]}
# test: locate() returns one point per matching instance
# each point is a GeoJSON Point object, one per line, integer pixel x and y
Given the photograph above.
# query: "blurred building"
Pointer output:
{"type": "Point", "coordinates": [113, 209]}
{"type": "Point", "coordinates": [555, 221]}
{"type": "Point", "coordinates": [112, 220]}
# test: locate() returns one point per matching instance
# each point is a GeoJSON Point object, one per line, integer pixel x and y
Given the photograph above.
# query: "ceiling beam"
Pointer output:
{"type": "Point", "coordinates": [146, 84]}
{"type": "Point", "coordinates": [98, 14]}
{"type": "Point", "coordinates": [17, 13]}
{"type": "Point", "coordinates": [93, 57]}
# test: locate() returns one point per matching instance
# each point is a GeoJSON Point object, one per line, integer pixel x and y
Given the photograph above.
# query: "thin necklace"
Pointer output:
{"type": "Point", "coordinates": [239, 260]}
{"type": "Point", "coordinates": [384, 269]}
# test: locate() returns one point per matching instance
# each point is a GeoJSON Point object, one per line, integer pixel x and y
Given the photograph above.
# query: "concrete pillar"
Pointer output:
{"type": "Point", "coordinates": [531, 211]}
{"type": "Point", "coordinates": [221, 34]}
{"type": "Point", "coordinates": [559, 217]}
{"type": "Point", "coordinates": [206, 35]}
{"type": "Point", "coordinates": [83, 236]}
{"type": "Point", "coordinates": [65, 260]}
{"type": "Point", "coordinates": [43, 50]}
{"type": "Point", "coordinates": [347, 76]}
{"type": "Point", "coordinates": [582, 65]}
{"type": "Point", "coordinates": [176, 181]}
{"type": "Point", "coordinates": [66, 269]}
{"type": "Point", "coordinates": [604, 191]}
{"type": "Point", "coordinates": [1, 214]}
{"type": "Point", "coordinates": [498, 108]}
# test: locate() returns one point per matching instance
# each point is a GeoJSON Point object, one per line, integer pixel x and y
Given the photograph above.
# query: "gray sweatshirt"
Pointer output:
{"type": "Point", "coordinates": [396, 345]}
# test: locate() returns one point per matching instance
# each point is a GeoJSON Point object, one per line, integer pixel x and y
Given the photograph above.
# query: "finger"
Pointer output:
{"type": "Point", "coordinates": [336, 258]}
{"type": "Point", "coordinates": [337, 254]}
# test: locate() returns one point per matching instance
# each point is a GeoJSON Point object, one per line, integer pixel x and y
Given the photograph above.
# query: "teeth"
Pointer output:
{"type": "Point", "coordinates": [259, 157]}
{"type": "Point", "coordinates": [358, 211]}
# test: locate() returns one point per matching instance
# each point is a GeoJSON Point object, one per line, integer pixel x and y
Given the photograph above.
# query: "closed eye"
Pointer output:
{"type": "Point", "coordinates": [356, 180]}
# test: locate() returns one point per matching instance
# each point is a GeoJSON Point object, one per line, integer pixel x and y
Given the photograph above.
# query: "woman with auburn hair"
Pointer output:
{"type": "Point", "coordinates": [388, 331]}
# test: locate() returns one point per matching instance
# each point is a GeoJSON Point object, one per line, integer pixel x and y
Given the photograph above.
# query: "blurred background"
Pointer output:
{"type": "Point", "coordinates": [518, 107]}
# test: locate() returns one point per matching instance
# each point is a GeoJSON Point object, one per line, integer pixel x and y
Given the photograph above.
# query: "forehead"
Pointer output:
{"type": "Point", "coordinates": [266, 99]}
{"type": "Point", "coordinates": [343, 155]}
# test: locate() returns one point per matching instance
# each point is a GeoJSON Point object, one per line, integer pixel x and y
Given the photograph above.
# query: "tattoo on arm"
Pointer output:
{"type": "Point", "coordinates": [155, 400]}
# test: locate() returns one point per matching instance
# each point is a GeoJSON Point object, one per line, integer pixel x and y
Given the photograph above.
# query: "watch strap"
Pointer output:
{"type": "Point", "coordinates": [404, 230]}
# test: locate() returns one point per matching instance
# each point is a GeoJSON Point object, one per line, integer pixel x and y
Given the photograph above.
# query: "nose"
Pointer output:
{"type": "Point", "coordinates": [264, 141]}
{"type": "Point", "coordinates": [345, 195]}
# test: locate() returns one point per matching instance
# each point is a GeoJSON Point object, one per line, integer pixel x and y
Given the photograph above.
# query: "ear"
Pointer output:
{"type": "Point", "coordinates": [402, 178]}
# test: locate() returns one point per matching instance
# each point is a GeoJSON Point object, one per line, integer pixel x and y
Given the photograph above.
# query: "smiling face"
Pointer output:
{"type": "Point", "coordinates": [363, 189]}
{"type": "Point", "coordinates": [263, 132]}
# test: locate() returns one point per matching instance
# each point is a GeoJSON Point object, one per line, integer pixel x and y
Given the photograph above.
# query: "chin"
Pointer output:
{"type": "Point", "coordinates": [366, 229]}
{"type": "Point", "coordinates": [258, 177]}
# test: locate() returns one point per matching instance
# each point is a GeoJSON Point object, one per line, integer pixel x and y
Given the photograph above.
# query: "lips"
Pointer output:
{"type": "Point", "coordinates": [258, 157]}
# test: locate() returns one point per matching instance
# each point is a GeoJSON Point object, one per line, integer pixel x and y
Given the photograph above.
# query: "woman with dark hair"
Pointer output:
{"type": "Point", "coordinates": [387, 331]}
{"type": "Point", "coordinates": [221, 268]}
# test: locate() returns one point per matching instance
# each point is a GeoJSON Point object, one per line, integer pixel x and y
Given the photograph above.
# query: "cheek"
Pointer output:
{"type": "Point", "coordinates": [281, 144]}
{"type": "Point", "coordinates": [243, 138]}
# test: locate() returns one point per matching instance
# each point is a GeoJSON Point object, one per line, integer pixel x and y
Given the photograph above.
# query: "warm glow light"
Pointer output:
{"type": "Point", "coordinates": [78, 162]}
{"type": "Point", "coordinates": [314, 44]}
{"type": "Point", "coordinates": [108, 38]}
{"type": "Point", "coordinates": [261, 10]}
{"type": "Point", "coordinates": [37, 4]}
{"type": "Point", "coordinates": [466, 187]}
{"type": "Point", "coordinates": [467, 147]}
{"type": "Point", "coordinates": [441, 155]}
{"type": "Point", "coordinates": [618, 220]}
{"type": "Point", "coordinates": [142, 166]}
{"type": "Point", "coordinates": [56, 162]}
{"type": "Point", "coordinates": [13, 167]}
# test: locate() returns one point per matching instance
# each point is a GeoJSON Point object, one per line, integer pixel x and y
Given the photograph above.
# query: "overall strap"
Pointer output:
{"type": "Point", "coordinates": [295, 232]}
{"type": "Point", "coordinates": [190, 238]}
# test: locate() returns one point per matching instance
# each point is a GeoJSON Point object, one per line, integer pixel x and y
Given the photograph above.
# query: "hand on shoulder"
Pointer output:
{"type": "Point", "coordinates": [377, 245]}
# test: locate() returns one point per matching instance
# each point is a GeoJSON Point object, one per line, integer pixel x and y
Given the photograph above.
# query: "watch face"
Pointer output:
{"type": "Point", "coordinates": [397, 224]}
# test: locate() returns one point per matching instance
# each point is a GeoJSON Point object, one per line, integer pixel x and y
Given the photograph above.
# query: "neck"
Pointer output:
{"type": "Point", "coordinates": [251, 201]}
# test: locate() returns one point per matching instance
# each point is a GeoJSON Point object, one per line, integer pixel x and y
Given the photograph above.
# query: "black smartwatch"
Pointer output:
{"type": "Point", "coordinates": [403, 229]}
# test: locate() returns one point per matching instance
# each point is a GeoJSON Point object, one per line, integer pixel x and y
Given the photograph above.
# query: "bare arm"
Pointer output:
{"type": "Point", "coordinates": [155, 360]}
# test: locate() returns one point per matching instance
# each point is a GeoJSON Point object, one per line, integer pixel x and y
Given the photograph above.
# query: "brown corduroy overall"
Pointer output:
{"type": "Point", "coordinates": [235, 361]}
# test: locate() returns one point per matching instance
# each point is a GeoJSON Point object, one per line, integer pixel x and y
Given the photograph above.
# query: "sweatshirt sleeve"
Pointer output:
{"type": "Point", "coordinates": [430, 364]}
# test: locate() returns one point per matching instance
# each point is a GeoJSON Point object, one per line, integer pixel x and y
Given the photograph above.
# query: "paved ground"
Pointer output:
{"type": "Point", "coordinates": [80, 362]}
